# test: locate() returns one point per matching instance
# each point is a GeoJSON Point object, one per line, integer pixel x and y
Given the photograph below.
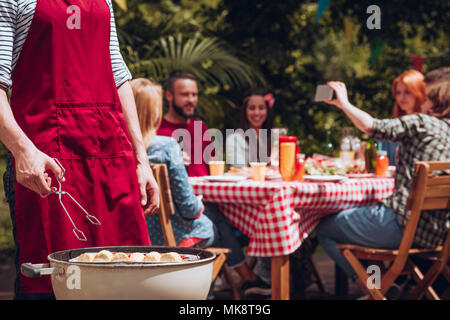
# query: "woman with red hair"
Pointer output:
{"type": "Point", "coordinates": [408, 90]}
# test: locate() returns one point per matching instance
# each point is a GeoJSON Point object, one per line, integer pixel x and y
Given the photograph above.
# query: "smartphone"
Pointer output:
{"type": "Point", "coordinates": [323, 92]}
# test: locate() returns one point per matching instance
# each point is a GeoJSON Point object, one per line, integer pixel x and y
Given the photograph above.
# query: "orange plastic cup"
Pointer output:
{"type": "Point", "coordinates": [216, 168]}
{"type": "Point", "coordinates": [258, 171]}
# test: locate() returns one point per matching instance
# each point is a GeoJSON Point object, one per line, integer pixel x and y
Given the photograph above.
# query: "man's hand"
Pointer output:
{"type": "Point", "coordinates": [30, 170]}
{"type": "Point", "coordinates": [30, 163]}
{"type": "Point", "coordinates": [148, 188]}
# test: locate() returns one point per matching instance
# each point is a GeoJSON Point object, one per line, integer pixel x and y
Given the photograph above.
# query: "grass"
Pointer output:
{"type": "Point", "coordinates": [7, 247]}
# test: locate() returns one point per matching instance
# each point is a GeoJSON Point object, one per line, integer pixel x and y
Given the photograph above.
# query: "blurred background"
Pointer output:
{"type": "Point", "coordinates": [287, 47]}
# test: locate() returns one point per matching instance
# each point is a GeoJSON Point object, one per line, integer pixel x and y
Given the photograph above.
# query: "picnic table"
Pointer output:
{"type": "Point", "coordinates": [278, 216]}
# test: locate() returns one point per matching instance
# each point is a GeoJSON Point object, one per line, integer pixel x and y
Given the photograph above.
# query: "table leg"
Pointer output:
{"type": "Point", "coordinates": [280, 277]}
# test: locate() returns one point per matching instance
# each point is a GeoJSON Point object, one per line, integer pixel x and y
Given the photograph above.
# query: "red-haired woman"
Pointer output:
{"type": "Point", "coordinates": [408, 90]}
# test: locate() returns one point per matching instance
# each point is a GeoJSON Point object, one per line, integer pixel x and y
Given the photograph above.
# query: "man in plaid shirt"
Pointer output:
{"type": "Point", "coordinates": [421, 137]}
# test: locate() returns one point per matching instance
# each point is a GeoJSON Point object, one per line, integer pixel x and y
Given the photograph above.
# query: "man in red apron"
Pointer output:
{"type": "Point", "coordinates": [65, 105]}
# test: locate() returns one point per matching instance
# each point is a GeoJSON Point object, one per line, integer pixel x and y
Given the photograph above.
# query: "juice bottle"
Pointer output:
{"type": "Point", "coordinates": [382, 163]}
{"type": "Point", "coordinates": [288, 149]}
{"type": "Point", "coordinates": [299, 167]}
{"type": "Point", "coordinates": [370, 156]}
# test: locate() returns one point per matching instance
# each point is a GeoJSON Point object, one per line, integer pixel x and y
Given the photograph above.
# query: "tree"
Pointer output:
{"type": "Point", "coordinates": [217, 66]}
{"type": "Point", "coordinates": [281, 40]}
{"type": "Point", "coordinates": [295, 54]}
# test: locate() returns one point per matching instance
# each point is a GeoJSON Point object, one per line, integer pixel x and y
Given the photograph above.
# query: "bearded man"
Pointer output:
{"type": "Point", "coordinates": [180, 123]}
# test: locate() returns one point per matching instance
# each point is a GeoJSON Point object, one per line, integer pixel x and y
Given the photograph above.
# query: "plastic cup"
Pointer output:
{"type": "Point", "coordinates": [258, 170]}
{"type": "Point", "coordinates": [216, 168]}
{"type": "Point", "coordinates": [391, 171]}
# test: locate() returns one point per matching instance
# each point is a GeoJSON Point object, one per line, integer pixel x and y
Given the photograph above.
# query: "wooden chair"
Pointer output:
{"type": "Point", "coordinates": [427, 193]}
{"type": "Point", "coordinates": [167, 209]}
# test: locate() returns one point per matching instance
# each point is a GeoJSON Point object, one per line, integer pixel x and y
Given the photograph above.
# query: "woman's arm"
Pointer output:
{"type": "Point", "coordinates": [362, 120]}
{"type": "Point", "coordinates": [30, 163]}
{"type": "Point", "coordinates": [147, 183]}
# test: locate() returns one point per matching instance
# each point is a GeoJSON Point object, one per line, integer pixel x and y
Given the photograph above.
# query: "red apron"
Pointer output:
{"type": "Point", "coordinates": [65, 100]}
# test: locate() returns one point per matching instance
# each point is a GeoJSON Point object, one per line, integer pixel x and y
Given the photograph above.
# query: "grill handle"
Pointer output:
{"type": "Point", "coordinates": [37, 270]}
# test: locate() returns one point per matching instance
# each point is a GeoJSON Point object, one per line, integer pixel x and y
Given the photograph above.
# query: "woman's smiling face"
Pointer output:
{"type": "Point", "coordinates": [404, 98]}
{"type": "Point", "coordinates": [256, 111]}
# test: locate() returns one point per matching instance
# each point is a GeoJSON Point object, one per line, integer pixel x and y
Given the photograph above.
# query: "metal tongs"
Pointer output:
{"type": "Point", "coordinates": [78, 233]}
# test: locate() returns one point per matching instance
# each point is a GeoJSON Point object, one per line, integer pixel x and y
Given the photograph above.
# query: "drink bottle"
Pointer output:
{"type": "Point", "coordinates": [370, 156]}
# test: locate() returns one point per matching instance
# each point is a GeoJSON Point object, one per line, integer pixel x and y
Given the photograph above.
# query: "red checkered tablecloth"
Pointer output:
{"type": "Point", "coordinates": [278, 216]}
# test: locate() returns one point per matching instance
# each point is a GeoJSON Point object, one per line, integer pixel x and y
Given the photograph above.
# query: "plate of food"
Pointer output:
{"type": "Point", "coordinates": [244, 172]}
{"type": "Point", "coordinates": [324, 178]}
{"type": "Point", "coordinates": [360, 175]}
{"type": "Point", "coordinates": [273, 176]}
{"type": "Point", "coordinates": [225, 178]}
{"type": "Point", "coordinates": [333, 166]}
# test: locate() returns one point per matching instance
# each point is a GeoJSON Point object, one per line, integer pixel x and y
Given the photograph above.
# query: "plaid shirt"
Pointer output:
{"type": "Point", "coordinates": [421, 138]}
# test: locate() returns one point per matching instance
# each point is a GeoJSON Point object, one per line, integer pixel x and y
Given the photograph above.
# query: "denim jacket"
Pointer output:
{"type": "Point", "coordinates": [189, 227]}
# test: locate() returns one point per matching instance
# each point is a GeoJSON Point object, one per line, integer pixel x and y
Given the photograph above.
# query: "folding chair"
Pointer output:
{"type": "Point", "coordinates": [427, 193]}
{"type": "Point", "coordinates": [167, 209]}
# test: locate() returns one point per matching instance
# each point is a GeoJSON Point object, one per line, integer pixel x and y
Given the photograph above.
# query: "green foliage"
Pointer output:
{"type": "Point", "coordinates": [159, 37]}
{"type": "Point", "coordinates": [231, 45]}
{"type": "Point", "coordinates": [216, 69]}
{"type": "Point", "coordinates": [288, 52]}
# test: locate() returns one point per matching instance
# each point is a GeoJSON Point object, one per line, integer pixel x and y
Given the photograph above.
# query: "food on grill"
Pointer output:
{"type": "Point", "coordinates": [103, 256]}
{"type": "Point", "coordinates": [171, 257]}
{"type": "Point", "coordinates": [85, 257]}
{"type": "Point", "coordinates": [152, 257]}
{"type": "Point", "coordinates": [137, 257]}
{"type": "Point", "coordinates": [120, 257]}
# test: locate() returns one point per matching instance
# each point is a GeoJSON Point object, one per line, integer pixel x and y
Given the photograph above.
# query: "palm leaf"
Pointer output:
{"type": "Point", "coordinates": [215, 67]}
{"type": "Point", "coordinates": [206, 58]}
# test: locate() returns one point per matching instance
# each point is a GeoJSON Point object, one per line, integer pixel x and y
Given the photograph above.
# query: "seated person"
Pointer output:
{"type": "Point", "coordinates": [408, 90]}
{"type": "Point", "coordinates": [180, 122]}
{"type": "Point", "coordinates": [421, 137]}
{"type": "Point", "coordinates": [253, 142]}
{"type": "Point", "coordinates": [194, 223]}
{"type": "Point", "coordinates": [254, 145]}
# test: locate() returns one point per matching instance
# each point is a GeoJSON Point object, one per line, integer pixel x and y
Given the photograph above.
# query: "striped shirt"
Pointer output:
{"type": "Point", "coordinates": [15, 20]}
{"type": "Point", "coordinates": [421, 138]}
